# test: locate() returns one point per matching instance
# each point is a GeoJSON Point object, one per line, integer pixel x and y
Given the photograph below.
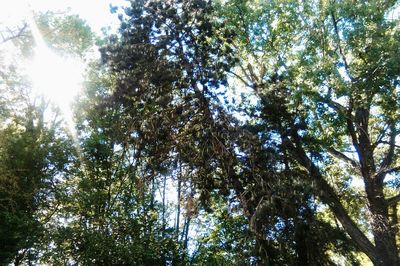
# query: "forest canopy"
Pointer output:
{"type": "Point", "coordinates": [207, 132]}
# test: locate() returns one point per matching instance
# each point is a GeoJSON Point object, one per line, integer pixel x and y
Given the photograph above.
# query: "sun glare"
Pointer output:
{"type": "Point", "coordinates": [55, 77]}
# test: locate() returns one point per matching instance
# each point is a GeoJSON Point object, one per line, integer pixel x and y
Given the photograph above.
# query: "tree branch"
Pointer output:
{"type": "Point", "coordinates": [337, 106]}
{"type": "Point", "coordinates": [248, 77]}
{"type": "Point", "coordinates": [329, 197]}
{"type": "Point", "coordinates": [343, 157]}
{"type": "Point", "coordinates": [351, 129]}
{"type": "Point", "coordinates": [13, 36]}
{"type": "Point", "coordinates": [346, 65]}
{"type": "Point", "coordinates": [383, 172]}
{"type": "Point", "coordinates": [241, 79]}
{"type": "Point", "coordinates": [388, 159]}
{"type": "Point", "coordinates": [387, 142]}
{"type": "Point", "coordinates": [380, 137]}
{"type": "Point", "coordinates": [393, 200]}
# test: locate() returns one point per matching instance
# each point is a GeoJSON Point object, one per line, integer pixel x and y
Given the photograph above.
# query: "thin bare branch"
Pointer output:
{"type": "Point", "coordinates": [388, 143]}
{"type": "Point", "coordinates": [16, 35]}
{"type": "Point", "coordinates": [241, 79]}
{"type": "Point", "coordinates": [245, 73]}
{"type": "Point", "coordinates": [346, 65]}
{"type": "Point", "coordinates": [380, 136]}
{"type": "Point", "coordinates": [343, 157]}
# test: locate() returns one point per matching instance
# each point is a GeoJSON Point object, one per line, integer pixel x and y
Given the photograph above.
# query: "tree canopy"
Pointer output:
{"type": "Point", "coordinates": [212, 133]}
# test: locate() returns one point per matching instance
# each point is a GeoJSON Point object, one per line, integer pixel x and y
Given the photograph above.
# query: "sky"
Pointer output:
{"type": "Point", "coordinates": [95, 12]}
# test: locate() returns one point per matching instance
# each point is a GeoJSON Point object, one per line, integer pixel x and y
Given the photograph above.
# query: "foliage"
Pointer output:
{"type": "Point", "coordinates": [262, 178]}
{"type": "Point", "coordinates": [168, 74]}
{"type": "Point", "coordinates": [35, 152]}
{"type": "Point", "coordinates": [316, 79]}
{"type": "Point", "coordinates": [32, 154]}
{"type": "Point", "coordinates": [66, 33]}
{"type": "Point", "coordinates": [110, 213]}
{"type": "Point", "coordinates": [224, 236]}
{"type": "Point", "coordinates": [323, 78]}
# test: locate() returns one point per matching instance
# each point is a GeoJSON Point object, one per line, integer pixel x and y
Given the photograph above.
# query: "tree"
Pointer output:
{"type": "Point", "coordinates": [325, 76]}
{"type": "Point", "coordinates": [224, 236]}
{"type": "Point", "coordinates": [327, 82]}
{"type": "Point", "coordinates": [265, 178]}
{"type": "Point", "coordinates": [65, 33]}
{"type": "Point", "coordinates": [169, 62]}
{"type": "Point", "coordinates": [35, 153]}
{"type": "Point", "coordinates": [110, 211]}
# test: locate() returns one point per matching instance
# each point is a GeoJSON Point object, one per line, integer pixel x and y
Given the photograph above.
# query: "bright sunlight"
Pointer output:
{"type": "Point", "coordinates": [57, 78]}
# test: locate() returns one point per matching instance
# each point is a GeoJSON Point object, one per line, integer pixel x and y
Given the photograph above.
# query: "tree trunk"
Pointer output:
{"type": "Point", "coordinates": [383, 231]}
{"type": "Point", "coordinates": [328, 196]}
{"type": "Point", "coordinates": [178, 207]}
{"type": "Point", "coordinates": [185, 233]}
{"type": "Point", "coordinates": [163, 204]}
{"type": "Point", "coordinates": [300, 236]}
{"type": "Point", "coordinates": [384, 234]}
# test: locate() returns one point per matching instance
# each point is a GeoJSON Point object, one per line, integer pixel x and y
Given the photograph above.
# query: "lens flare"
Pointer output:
{"type": "Point", "coordinates": [56, 78]}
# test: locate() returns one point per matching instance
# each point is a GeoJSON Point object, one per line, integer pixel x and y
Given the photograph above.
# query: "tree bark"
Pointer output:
{"type": "Point", "coordinates": [382, 230]}
{"type": "Point", "coordinates": [178, 207]}
{"type": "Point", "coordinates": [329, 197]}
{"type": "Point", "coordinates": [163, 204]}
{"type": "Point", "coordinates": [185, 233]}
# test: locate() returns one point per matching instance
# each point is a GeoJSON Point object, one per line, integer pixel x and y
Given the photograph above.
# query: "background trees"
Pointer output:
{"type": "Point", "coordinates": [180, 101]}
{"type": "Point", "coordinates": [111, 214]}
{"type": "Point", "coordinates": [35, 152]}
